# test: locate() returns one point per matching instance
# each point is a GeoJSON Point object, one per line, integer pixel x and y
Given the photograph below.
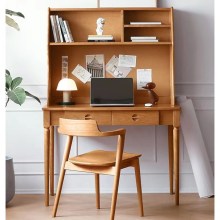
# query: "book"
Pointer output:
{"type": "Point", "coordinates": [63, 30]}
{"type": "Point", "coordinates": [100, 37]}
{"type": "Point", "coordinates": [59, 29]}
{"type": "Point", "coordinates": [146, 22]}
{"type": "Point", "coordinates": [145, 40]}
{"type": "Point", "coordinates": [56, 28]}
{"type": "Point", "coordinates": [143, 37]}
{"type": "Point", "coordinates": [101, 40]}
{"type": "Point", "coordinates": [69, 33]}
{"type": "Point", "coordinates": [53, 28]}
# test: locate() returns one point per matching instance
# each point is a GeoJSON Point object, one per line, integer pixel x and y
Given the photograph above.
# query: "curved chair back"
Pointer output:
{"type": "Point", "coordinates": [84, 128]}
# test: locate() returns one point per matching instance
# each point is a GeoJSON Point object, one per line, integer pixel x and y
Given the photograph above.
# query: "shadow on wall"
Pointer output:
{"type": "Point", "coordinates": [194, 39]}
{"type": "Point", "coordinates": [194, 46]}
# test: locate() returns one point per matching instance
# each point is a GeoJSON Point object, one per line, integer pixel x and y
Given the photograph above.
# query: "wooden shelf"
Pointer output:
{"type": "Point", "coordinates": [157, 56]}
{"type": "Point", "coordinates": [108, 43]}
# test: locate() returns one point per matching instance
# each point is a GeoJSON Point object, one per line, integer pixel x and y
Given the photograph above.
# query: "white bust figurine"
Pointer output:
{"type": "Point", "coordinates": [100, 24]}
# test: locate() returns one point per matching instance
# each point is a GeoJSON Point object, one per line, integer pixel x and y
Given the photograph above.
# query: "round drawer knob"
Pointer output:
{"type": "Point", "coordinates": [134, 117]}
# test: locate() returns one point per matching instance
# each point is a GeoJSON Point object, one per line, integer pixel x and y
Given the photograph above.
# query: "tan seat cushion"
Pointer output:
{"type": "Point", "coordinates": [101, 158]}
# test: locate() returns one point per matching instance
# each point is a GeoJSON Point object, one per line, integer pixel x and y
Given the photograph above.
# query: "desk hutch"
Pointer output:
{"type": "Point", "coordinates": [158, 56]}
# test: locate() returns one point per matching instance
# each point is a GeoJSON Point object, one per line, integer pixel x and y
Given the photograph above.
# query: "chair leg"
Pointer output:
{"type": "Point", "coordinates": [138, 183]}
{"type": "Point", "coordinates": [59, 188]}
{"type": "Point", "coordinates": [62, 174]}
{"type": "Point", "coordinates": [97, 190]}
{"type": "Point", "coordinates": [115, 194]}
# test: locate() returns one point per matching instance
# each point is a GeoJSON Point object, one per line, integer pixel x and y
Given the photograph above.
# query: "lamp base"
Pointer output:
{"type": "Point", "coordinates": [66, 103]}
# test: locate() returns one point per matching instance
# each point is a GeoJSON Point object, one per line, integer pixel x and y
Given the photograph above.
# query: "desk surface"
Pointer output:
{"type": "Point", "coordinates": [141, 107]}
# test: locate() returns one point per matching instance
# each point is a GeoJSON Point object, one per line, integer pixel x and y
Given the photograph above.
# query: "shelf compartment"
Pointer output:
{"type": "Point", "coordinates": [145, 59]}
{"type": "Point", "coordinates": [83, 23]}
{"type": "Point", "coordinates": [162, 34]}
{"type": "Point", "coordinates": [162, 16]}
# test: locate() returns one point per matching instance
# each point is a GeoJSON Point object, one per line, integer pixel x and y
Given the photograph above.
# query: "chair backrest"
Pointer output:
{"type": "Point", "coordinates": [85, 128]}
{"type": "Point", "coordinates": [89, 128]}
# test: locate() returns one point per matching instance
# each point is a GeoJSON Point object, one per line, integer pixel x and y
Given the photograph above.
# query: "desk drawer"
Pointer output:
{"type": "Point", "coordinates": [102, 117]}
{"type": "Point", "coordinates": [135, 118]}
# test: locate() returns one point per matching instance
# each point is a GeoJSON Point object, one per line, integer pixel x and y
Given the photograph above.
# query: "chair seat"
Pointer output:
{"type": "Point", "coordinates": [101, 158]}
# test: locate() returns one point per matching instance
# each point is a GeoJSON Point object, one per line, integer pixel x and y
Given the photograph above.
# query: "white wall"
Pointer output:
{"type": "Point", "coordinates": [194, 67]}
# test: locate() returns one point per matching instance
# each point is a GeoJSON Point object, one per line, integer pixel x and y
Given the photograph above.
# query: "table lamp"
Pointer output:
{"type": "Point", "coordinates": [66, 85]}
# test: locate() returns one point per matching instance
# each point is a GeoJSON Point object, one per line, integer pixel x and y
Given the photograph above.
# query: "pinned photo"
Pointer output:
{"type": "Point", "coordinates": [95, 65]}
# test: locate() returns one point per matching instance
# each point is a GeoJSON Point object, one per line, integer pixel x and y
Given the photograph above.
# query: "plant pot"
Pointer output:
{"type": "Point", "coordinates": [10, 179]}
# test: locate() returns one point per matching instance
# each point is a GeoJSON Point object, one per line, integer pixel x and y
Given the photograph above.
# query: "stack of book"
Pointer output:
{"type": "Point", "coordinates": [61, 29]}
{"type": "Point", "coordinates": [144, 39]}
{"type": "Point", "coordinates": [100, 38]}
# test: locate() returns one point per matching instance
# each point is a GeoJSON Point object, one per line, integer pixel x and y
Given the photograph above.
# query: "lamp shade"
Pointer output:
{"type": "Point", "coordinates": [66, 84]}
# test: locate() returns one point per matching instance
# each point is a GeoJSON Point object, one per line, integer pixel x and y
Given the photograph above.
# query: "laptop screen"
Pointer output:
{"type": "Point", "coordinates": [112, 92]}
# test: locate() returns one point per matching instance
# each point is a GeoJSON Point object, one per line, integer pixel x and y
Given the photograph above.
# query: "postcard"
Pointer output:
{"type": "Point", "coordinates": [143, 77]}
{"type": "Point", "coordinates": [115, 70]}
{"type": "Point", "coordinates": [127, 60]}
{"type": "Point", "coordinates": [81, 73]}
{"type": "Point", "coordinates": [95, 65]}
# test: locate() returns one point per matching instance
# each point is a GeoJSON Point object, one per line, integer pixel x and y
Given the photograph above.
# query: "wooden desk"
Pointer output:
{"type": "Point", "coordinates": [161, 114]}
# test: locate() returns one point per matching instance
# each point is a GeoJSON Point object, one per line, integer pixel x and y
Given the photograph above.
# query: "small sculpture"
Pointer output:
{"type": "Point", "coordinates": [153, 97]}
{"type": "Point", "coordinates": [100, 24]}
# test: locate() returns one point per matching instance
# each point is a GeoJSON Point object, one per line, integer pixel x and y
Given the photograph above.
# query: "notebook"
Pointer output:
{"type": "Point", "coordinates": [112, 92]}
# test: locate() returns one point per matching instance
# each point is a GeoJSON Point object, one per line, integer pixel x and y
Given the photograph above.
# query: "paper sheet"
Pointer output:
{"type": "Point", "coordinates": [81, 73]}
{"type": "Point", "coordinates": [127, 60]}
{"type": "Point", "coordinates": [196, 148]}
{"type": "Point", "coordinates": [143, 77]}
{"type": "Point", "coordinates": [115, 70]}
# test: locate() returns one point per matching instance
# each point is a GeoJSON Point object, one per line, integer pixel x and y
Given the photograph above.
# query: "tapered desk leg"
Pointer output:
{"type": "Point", "coordinates": [46, 164]}
{"type": "Point", "coordinates": [176, 162]}
{"type": "Point", "coordinates": [170, 150]}
{"type": "Point", "coordinates": [52, 160]}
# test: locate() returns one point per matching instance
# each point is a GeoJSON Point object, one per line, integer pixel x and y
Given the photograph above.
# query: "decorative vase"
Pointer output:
{"type": "Point", "coordinates": [10, 179]}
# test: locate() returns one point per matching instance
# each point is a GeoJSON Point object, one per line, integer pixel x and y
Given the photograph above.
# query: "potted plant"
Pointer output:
{"type": "Point", "coordinates": [17, 94]}
{"type": "Point", "coordinates": [13, 90]}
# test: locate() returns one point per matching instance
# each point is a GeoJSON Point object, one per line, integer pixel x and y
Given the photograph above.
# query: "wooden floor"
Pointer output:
{"type": "Point", "coordinates": [82, 207]}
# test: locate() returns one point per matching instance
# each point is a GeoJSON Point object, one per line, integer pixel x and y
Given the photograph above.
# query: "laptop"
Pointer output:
{"type": "Point", "coordinates": [112, 92]}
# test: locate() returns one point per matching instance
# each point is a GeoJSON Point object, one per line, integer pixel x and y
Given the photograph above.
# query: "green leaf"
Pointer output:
{"type": "Point", "coordinates": [17, 95]}
{"type": "Point", "coordinates": [12, 23]}
{"type": "Point", "coordinates": [32, 96]}
{"type": "Point", "coordinates": [10, 12]}
{"type": "Point", "coordinates": [8, 81]}
{"type": "Point", "coordinates": [7, 72]}
{"type": "Point", "coordinates": [16, 82]}
{"type": "Point", "coordinates": [7, 102]}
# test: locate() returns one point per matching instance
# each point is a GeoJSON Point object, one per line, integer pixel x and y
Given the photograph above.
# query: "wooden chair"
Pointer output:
{"type": "Point", "coordinates": [97, 161]}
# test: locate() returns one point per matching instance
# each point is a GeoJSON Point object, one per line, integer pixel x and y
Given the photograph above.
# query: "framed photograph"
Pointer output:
{"type": "Point", "coordinates": [95, 65]}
